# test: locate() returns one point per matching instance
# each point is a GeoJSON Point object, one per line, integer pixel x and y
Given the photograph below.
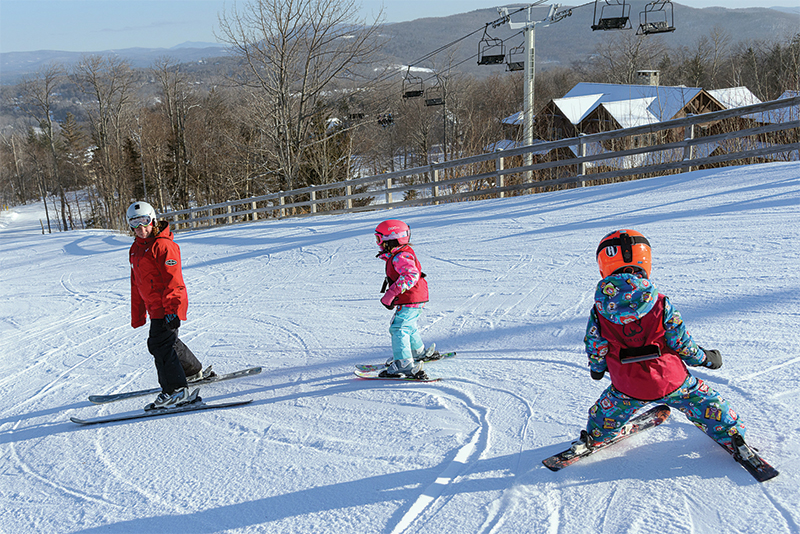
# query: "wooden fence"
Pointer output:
{"type": "Point", "coordinates": [769, 133]}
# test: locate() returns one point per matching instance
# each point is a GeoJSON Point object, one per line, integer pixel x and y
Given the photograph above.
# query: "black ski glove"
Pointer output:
{"type": "Point", "coordinates": [172, 321]}
{"type": "Point", "coordinates": [713, 358]}
{"type": "Point", "coordinates": [597, 375]}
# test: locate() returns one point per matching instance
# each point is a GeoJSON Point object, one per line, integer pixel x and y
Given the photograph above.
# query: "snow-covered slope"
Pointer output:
{"type": "Point", "coordinates": [319, 450]}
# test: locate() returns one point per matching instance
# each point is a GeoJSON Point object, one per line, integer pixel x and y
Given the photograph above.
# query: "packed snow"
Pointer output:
{"type": "Point", "coordinates": [320, 450]}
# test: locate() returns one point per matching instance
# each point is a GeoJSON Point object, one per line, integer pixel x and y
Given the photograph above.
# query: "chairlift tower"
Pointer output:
{"type": "Point", "coordinates": [529, 30]}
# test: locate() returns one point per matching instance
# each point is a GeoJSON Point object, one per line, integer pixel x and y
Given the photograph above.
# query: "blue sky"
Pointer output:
{"type": "Point", "coordinates": [99, 25]}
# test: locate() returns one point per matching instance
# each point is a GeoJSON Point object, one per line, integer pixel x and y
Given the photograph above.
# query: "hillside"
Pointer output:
{"type": "Point", "coordinates": [321, 451]}
{"type": "Point", "coordinates": [560, 44]}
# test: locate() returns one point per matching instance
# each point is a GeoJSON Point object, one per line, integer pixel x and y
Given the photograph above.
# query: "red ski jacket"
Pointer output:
{"type": "Point", "coordinates": [157, 286]}
{"type": "Point", "coordinates": [418, 293]}
{"type": "Point", "coordinates": [649, 379]}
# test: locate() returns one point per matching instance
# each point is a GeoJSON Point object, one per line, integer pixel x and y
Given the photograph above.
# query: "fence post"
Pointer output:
{"type": "Point", "coordinates": [388, 193]}
{"type": "Point", "coordinates": [435, 188]}
{"type": "Point", "coordinates": [581, 154]}
{"type": "Point", "coordinates": [230, 210]}
{"type": "Point", "coordinates": [254, 214]}
{"type": "Point", "coordinates": [282, 211]}
{"type": "Point", "coordinates": [191, 217]}
{"type": "Point", "coordinates": [500, 179]}
{"type": "Point", "coordinates": [313, 200]}
{"type": "Point", "coordinates": [688, 150]}
{"type": "Point", "coordinates": [348, 190]}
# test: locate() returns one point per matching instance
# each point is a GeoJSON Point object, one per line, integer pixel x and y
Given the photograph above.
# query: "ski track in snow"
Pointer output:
{"type": "Point", "coordinates": [512, 281]}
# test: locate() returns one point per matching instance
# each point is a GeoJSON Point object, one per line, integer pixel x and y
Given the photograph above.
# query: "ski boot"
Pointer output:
{"type": "Point", "coordinates": [407, 368]}
{"type": "Point", "coordinates": [203, 374]}
{"type": "Point", "coordinates": [177, 398]}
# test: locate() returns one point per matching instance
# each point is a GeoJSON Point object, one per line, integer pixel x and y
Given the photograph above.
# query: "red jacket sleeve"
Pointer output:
{"type": "Point", "coordinates": [138, 311]}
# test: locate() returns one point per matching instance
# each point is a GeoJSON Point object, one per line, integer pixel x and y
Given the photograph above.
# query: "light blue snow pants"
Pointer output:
{"type": "Point", "coordinates": [406, 340]}
{"type": "Point", "coordinates": [702, 406]}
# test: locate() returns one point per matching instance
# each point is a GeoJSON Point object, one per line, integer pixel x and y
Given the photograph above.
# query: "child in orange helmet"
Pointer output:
{"type": "Point", "coordinates": [637, 336]}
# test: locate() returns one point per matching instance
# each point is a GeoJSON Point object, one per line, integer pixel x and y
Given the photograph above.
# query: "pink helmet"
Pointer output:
{"type": "Point", "coordinates": [393, 229]}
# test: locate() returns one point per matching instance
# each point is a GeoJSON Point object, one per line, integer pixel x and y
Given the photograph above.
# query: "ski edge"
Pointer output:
{"type": "Point", "coordinates": [158, 413]}
{"type": "Point", "coordinates": [115, 397]}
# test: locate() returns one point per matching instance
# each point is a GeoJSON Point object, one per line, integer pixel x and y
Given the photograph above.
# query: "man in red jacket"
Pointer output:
{"type": "Point", "coordinates": [157, 289]}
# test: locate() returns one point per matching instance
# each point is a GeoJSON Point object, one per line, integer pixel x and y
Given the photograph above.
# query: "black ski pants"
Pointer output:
{"type": "Point", "coordinates": [173, 359]}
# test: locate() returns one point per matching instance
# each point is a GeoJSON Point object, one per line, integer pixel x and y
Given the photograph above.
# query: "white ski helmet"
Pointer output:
{"type": "Point", "coordinates": [140, 210]}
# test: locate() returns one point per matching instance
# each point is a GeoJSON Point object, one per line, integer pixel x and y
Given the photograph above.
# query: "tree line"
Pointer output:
{"type": "Point", "coordinates": [300, 103]}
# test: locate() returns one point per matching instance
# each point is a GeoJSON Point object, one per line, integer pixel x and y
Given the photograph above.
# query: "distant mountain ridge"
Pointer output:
{"type": "Point", "coordinates": [562, 43]}
{"type": "Point", "coordinates": [14, 65]}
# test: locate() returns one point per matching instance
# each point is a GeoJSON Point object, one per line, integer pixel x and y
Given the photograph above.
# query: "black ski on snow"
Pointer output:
{"type": "Point", "coordinates": [186, 408]}
{"type": "Point", "coordinates": [103, 399]}
{"type": "Point", "coordinates": [381, 366]}
{"type": "Point", "coordinates": [649, 419]}
{"type": "Point", "coordinates": [756, 466]}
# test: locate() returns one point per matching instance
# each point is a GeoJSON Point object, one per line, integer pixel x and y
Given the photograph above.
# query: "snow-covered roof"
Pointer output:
{"type": "Point", "coordinates": [575, 108]}
{"type": "Point", "coordinates": [503, 144]}
{"type": "Point", "coordinates": [734, 97]}
{"type": "Point", "coordinates": [515, 119]}
{"type": "Point", "coordinates": [662, 102]}
{"type": "Point", "coordinates": [630, 105]}
{"type": "Point", "coordinates": [630, 113]}
{"type": "Point", "coordinates": [778, 116]}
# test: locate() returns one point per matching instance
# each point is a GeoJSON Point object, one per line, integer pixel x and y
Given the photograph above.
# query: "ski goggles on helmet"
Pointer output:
{"type": "Point", "coordinates": [143, 220]}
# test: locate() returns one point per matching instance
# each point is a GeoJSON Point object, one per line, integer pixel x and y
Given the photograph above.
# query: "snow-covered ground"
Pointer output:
{"type": "Point", "coordinates": [320, 450]}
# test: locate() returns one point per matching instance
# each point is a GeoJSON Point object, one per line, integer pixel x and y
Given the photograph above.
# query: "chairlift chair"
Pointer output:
{"type": "Point", "coordinates": [491, 51]}
{"type": "Point", "coordinates": [657, 17]}
{"type": "Point", "coordinates": [516, 58]}
{"type": "Point", "coordinates": [612, 15]}
{"type": "Point", "coordinates": [412, 85]}
{"type": "Point", "coordinates": [434, 96]}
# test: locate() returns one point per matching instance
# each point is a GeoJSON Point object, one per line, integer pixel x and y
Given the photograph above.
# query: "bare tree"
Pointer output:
{"type": "Point", "coordinates": [619, 56]}
{"type": "Point", "coordinates": [177, 100]}
{"type": "Point", "coordinates": [37, 102]}
{"type": "Point", "coordinates": [295, 53]}
{"type": "Point", "coordinates": [108, 82]}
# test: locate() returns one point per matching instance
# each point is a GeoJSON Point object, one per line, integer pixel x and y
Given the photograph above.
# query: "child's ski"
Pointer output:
{"type": "Point", "coordinates": [375, 375]}
{"type": "Point", "coordinates": [652, 417]}
{"type": "Point", "coordinates": [381, 366]}
{"type": "Point", "coordinates": [750, 460]}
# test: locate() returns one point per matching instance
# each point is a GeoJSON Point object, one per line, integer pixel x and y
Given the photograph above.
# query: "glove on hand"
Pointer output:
{"type": "Point", "coordinates": [713, 358]}
{"type": "Point", "coordinates": [597, 375]}
{"type": "Point", "coordinates": [389, 297]}
{"type": "Point", "coordinates": [172, 321]}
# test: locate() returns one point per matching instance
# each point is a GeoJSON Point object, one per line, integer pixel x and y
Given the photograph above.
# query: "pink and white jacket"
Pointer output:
{"type": "Point", "coordinates": [408, 286]}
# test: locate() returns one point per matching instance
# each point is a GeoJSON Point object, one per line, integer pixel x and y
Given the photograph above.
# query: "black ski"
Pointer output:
{"type": "Point", "coordinates": [103, 399]}
{"type": "Point", "coordinates": [752, 461]}
{"type": "Point", "coordinates": [195, 407]}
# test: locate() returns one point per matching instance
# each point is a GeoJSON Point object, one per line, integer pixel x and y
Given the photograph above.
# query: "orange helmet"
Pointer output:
{"type": "Point", "coordinates": [621, 249]}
